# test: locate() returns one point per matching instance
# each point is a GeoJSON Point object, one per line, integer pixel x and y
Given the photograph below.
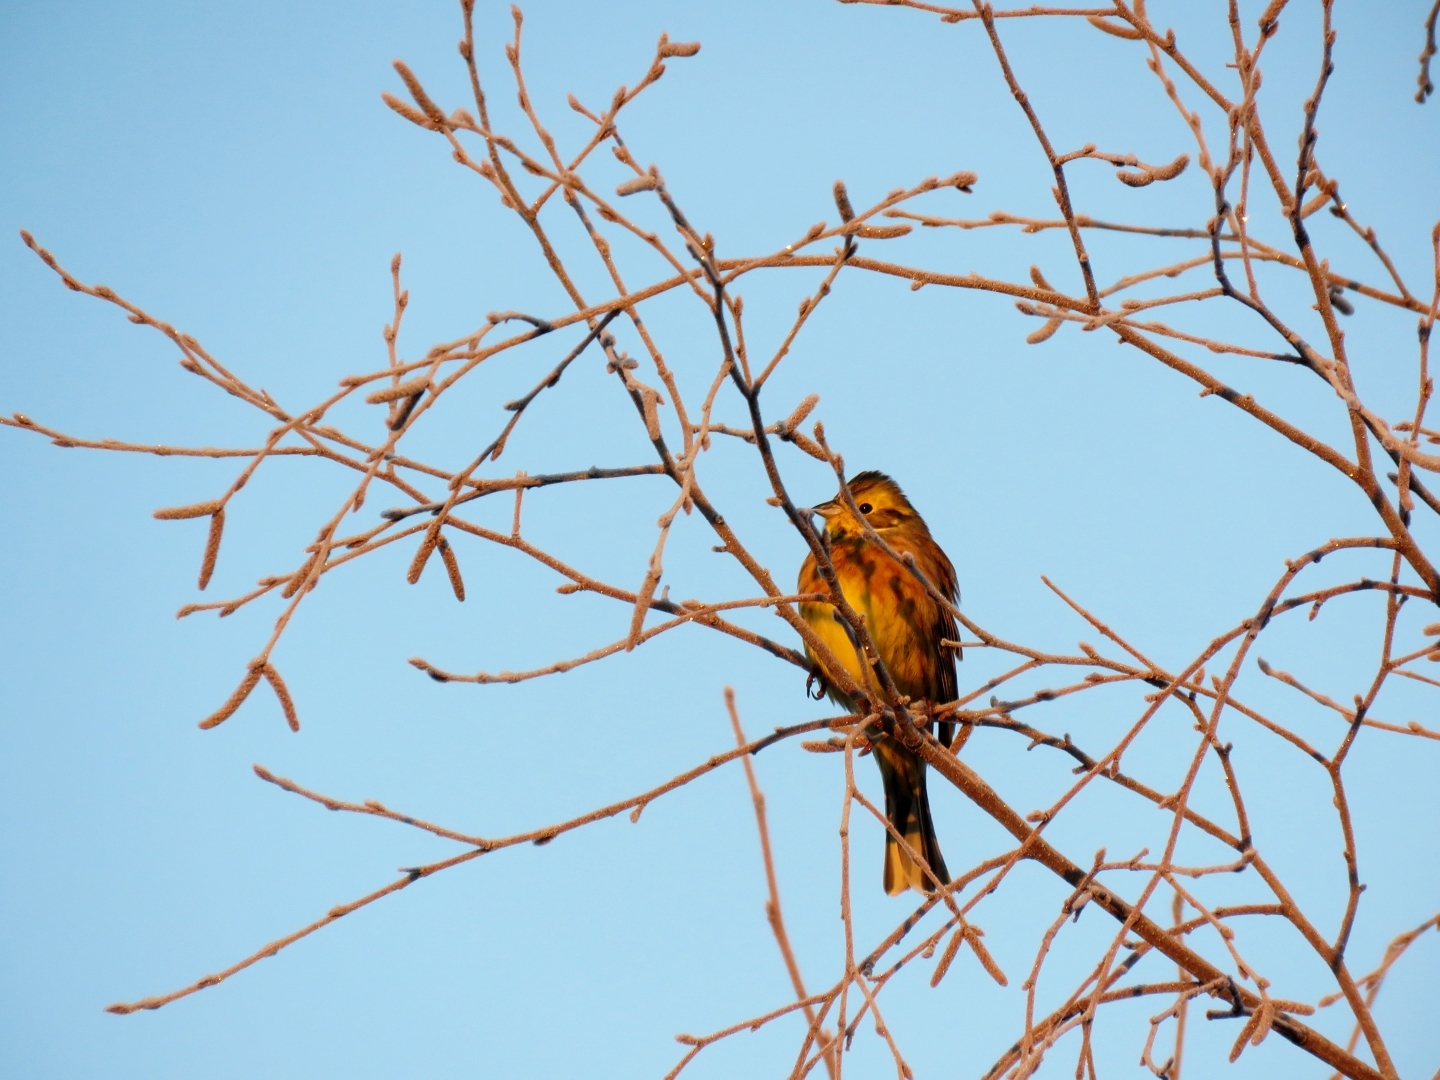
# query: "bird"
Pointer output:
{"type": "Point", "coordinates": [912, 632]}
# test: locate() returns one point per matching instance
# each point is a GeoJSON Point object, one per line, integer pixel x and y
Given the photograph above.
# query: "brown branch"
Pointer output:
{"type": "Point", "coordinates": [526, 181]}
{"type": "Point", "coordinates": [1062, 189]}
{"type": "Point", "coordinates": [974, 788]}
{"type": "Point", "coordinates": [636, 804]}
{"type": "Point", "coordinates": [772, 906]}
{"type": "Point", "coordinates": [1426, 86]}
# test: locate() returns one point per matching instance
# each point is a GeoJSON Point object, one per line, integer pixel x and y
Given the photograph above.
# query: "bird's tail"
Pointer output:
{"type": "Point", "coordinates": [908, 807]}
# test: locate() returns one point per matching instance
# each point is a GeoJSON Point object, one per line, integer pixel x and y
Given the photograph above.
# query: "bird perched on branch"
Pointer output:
{"type": "Point", "coordinates": [908, 626]}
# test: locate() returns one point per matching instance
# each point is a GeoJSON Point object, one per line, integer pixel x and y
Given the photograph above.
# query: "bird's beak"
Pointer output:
{"type": "Point", "coordinates": [827, 510]}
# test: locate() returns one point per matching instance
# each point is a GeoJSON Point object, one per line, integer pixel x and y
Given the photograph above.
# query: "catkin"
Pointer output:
{"type": "Point", "coordinates": [401, 390]}
{"type": "Point", "coordinates": [881, 232]}
{"type": "Point", "coordinates": [982, 954]}
{"type": "Point", "coordinates": [422, 556]}
{"type": "Point", "coordinates": [415, 116]}
{"type": "Point", "coordinates": [948, 956]}
{"type": "Point", "coordinates": [452, 567]}
{"type": "Point", "coordinates": [234, 701]}
{"type": "Point", "coordinates": [678, 48]}
{"type": "Point", "coordinates": [403, 413]}
{"type": "Point", "coordinates": [1045, 333]}
{"type": "Point", "coordinates": [418, 92]}
{"type": "Point", "coordinates": [194, 510]}
{"type": "Point", "coordinates": [1127, 32]}
{"type": "Point", "coordinates": [796, 418]}
{"type": "Point", "coordinates": [639, 184]}
{"type": "Point", "coordinates": [212, 547]}
{"type": "Point", "coordinates": [282, 693]}
{"type": "Point", "coordinates": [293, 585]}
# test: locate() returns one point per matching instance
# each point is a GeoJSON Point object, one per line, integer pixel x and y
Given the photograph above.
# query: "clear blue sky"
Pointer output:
{"type": "Point", "coordinates": [232, 169]}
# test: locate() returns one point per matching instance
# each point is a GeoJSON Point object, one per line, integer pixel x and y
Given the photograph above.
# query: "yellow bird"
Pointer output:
{"type": "Point", "coordinates": [907, 625]}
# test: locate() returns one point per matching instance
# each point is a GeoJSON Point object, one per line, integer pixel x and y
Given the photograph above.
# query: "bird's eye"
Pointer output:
{"type": "Point", "coordinates": [865, 508]}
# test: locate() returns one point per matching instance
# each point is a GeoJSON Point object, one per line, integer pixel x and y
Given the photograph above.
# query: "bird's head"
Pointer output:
{"type": "Point", "coordinates": [879, 499]}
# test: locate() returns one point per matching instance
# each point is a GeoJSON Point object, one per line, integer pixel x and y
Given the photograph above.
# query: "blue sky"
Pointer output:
{"type": "Point", "coordinates": [234, 171]}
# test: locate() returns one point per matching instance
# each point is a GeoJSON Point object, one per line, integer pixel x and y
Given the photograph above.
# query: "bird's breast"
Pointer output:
{"type": "Point", "coordinates": [898, 614]}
